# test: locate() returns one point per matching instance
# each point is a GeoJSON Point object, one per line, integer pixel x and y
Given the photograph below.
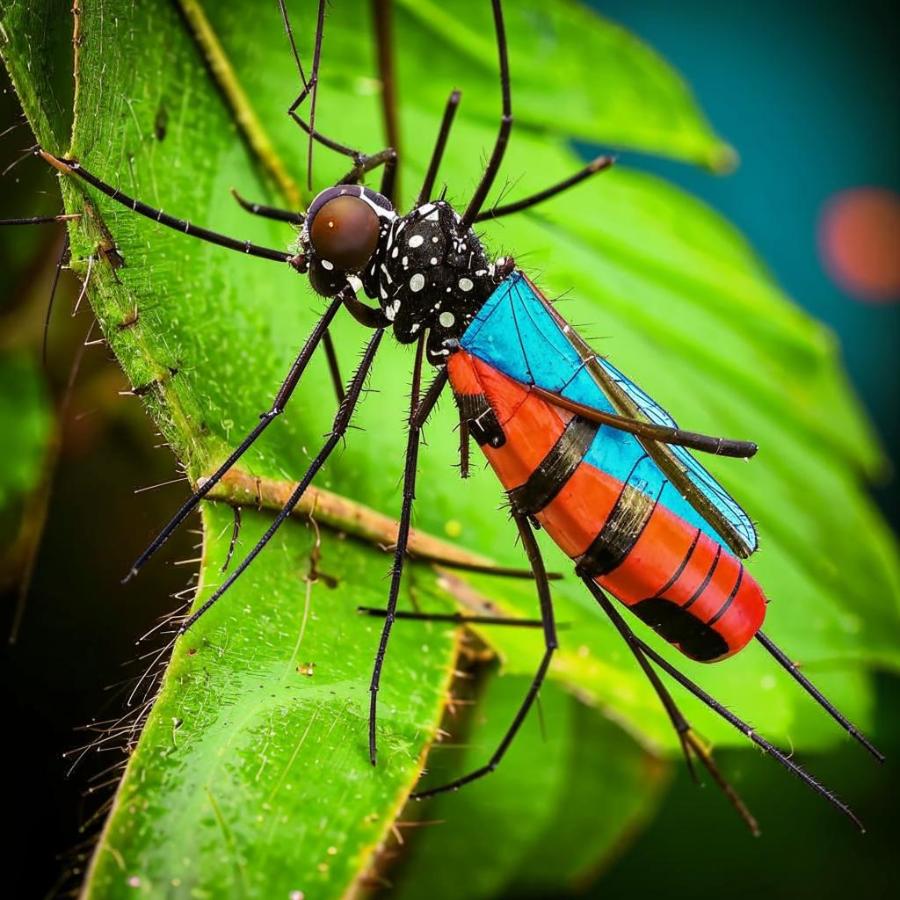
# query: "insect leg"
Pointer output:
{"type": "Point", "coordinates": [281, 400]}
{"type": "Point", "coordinates": [419, 410]}
{"type": "Point", "coordinates": [506, 121]}
{"type": "Point", "coordinates": [817, 695]}
{"type": "Point", "coordinates": [268, 212]}
{"type": "Point", "coordinates": [362, 162]}
{"type": "Point", "coordinates": [40, 220]}
{"type": "Point", "coordinates": [663, 433]}
{"type": "Point", "coordinates": [600, 164]}
{"type": "Point", "coordinates": [690, 742]}
{"type": "Point", "coordinates": [717, 707]}
{"type": "Point", "coordinates": [454, 618]}
{"type": "Point", "coordinates": [338, 429]}
{"type": "Point", "coordinates": [73, 167]}
{"type": "Point", "coordinates": [440, 145]}
{"type": "Point", "coordinates": [550, 644]}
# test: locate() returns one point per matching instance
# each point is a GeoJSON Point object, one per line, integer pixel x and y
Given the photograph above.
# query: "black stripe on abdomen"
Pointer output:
{"type": "Point", "coordinates": [555, 469]}
{"type": "Point", "coordinates": [623, 527]}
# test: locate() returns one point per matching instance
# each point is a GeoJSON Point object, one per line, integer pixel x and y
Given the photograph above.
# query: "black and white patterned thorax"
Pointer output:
{"type": "Point", "coordinates": [426, 274]}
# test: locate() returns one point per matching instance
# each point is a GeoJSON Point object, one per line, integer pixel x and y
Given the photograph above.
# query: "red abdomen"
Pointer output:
{"type": "Point", "coordinates": [687, 586]}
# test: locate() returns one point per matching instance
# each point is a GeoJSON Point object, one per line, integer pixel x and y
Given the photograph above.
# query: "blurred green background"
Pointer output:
{"type": "Point", "coordinates": [809, 96]}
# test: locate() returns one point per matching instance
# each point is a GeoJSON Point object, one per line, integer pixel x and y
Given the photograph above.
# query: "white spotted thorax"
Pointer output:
{"type": "Point", "coordinates": [426, 274]}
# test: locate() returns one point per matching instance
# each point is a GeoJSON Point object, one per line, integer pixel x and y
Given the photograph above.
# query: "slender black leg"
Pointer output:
{"type": "Point", "coordinates": [419, 410]}
{"type": "Point", "coordinates": [40, 220]}
{"type": "Point", "coordinates": [73, 167]}
{"type": "Point", "coordinates": [285, 215]}
{"type": "Point", "coordinates": [61, 259]}
{"type": "Point", "coordinates": [454, 618]}
{"type": "Point", "coordinates": [338, 429]}
{"type": "Point", "coordinates": [550, 644]}
{"type": "Point", "coordinates": [382, 14]}
{"type": "Point", "coordinates": [690, 742]}
{"type": "Point", "coordinates": [717, 707]}
{"type": "Point", "coordinates": [440, 145]}
{"type": "Point", "coordinates": [817, 695]}
{"type": "Point", "coordinates": [362, 162]}
{"type": "Point", "coordinates": [269, 212]}
{"type": "Point", "coordinates": [506, 121]}
{"type": "Point", "coordinates": [703, 442]}
{"type": "Point", "coordinates": [281, 400]}
{"type": "Point", "coordinates": [600, 164]}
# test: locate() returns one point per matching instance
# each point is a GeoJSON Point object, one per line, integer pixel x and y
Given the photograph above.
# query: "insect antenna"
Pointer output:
{"type": "Point", "coordinates": [793, 669]}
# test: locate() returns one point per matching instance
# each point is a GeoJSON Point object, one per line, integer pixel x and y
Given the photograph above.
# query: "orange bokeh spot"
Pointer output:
{"type": "Point", "coordinates": [859, 239]}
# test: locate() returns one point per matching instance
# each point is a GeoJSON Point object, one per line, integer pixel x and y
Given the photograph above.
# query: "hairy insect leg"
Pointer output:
{"type": "Point", "coordinates": [717, 707]}
{"type": "Point", "coordinates": [550, 645]}
{"type": "Point", "coordinates": [794, 671]}
{"type": "Point", "coordinates": [690, 741]}
{"type": "Point", "coordinates": [440, 145]}
{"type": "Point", "coordinates": [280, 402]}
{"type": "Point", "coordinates": [506, 122]}
{"type": "Point", "coordinates": [338, 430]}
{"type": "Point", "coordinates": [418, 413]}
{"type": "Point", "coordinates": [600, 164]}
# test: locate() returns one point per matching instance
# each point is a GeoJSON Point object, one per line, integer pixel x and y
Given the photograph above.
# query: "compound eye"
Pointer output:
{"type": "Point", "coordinates": [344, 232]}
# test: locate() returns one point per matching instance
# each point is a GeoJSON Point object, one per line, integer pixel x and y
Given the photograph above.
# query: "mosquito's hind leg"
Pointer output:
{"type": "Point", "coordinates": [645, 650]}
{"type": "Point", "coordinates": [550, 644]}
{"type": "Point", "coordinates": [690, 741]}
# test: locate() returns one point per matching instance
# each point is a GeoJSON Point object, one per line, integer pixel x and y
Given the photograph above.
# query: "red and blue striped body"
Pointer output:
{"type": "Point", "coordinates": [600, 493]}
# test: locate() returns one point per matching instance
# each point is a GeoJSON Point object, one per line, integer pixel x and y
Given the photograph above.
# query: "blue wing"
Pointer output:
{"type": "Point", "coordinates": [717, 495]}
{"type": "Point", "coordinates": [518, 332]}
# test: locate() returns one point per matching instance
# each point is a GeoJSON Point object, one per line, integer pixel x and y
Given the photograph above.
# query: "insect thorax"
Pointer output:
{"type": "Point", "coordinates": [426, 274]}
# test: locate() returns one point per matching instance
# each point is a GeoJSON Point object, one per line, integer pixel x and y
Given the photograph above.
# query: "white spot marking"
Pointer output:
{"type": "Point", "coordinates": [417, 282]}
{"type": "Point", "coordinates": [416, 241]}
{"type": "Point", "coordinates": [466, 284]}
{"type": "Point", "coordinates": [328, 266]}
{"type": "Point", "coordinates": [446, 319]}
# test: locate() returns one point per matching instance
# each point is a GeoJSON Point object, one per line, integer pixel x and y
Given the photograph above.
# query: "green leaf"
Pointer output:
{"type": "Point", "coordinates": [252, 777]}
{"type": "Point", "coordinates": [551, 816]}
{"type": "Point", "coordinates": [176, 108]}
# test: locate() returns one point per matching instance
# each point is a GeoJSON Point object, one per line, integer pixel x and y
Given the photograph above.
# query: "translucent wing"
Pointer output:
{"type": "Point", "coordinates": [691, 479]}
{"type": "Point", "coordinates": [737, 522]}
